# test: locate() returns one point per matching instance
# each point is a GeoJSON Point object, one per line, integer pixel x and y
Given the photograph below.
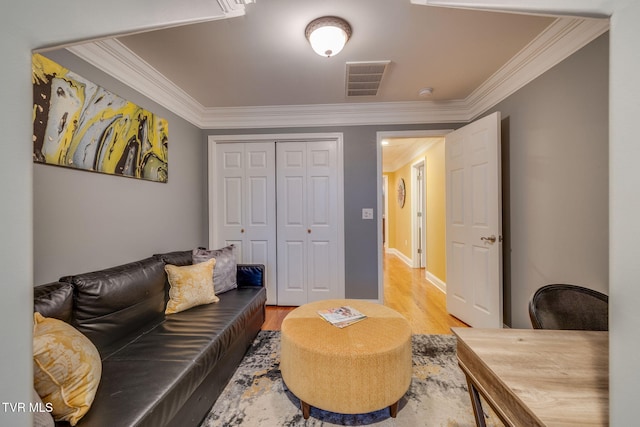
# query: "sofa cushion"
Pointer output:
{"type": "Point", "coordinates": [150, 379]}
{"type": "Point", "coordinates": [175, 258]}
{"type": "Point", "coordinates": [191, 285]}
{"type": "Point", "coordinates": [115, 304]}
{"type": "Point", "coordinates": [225, 271]}
{"type": "Point", "coordinates": [67, 368]}
{"type": "Point", "coordinates": [251, 275]}
{"type": "Point", "coordinates": [54, 300]}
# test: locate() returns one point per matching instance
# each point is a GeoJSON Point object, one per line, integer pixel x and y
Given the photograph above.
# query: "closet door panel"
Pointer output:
{"type": "Point", "coordinates": [258, 252]}
{"type": "Point", "coordinates": [291, 202]}
{"type": "Point", "coordinates": [292, 228]}
{"type": "Point", "coordinates": [320, 270]}
{"type": "Point", "coordinates": [246, 209]}
{"type": "Point", "coordinates": [320, 200]}
{"type": "Point", "coordinates": [258, 201]}
{"type": "Point", "coordinates": [230, 169]}
{"type": "Point", "coordinates": [291, 273]}
{"type": "Point", "coordinates": [232, 201]}
{"type": "Point", "coordinates": [260, 211]}
{"type": "Point", "coordinates": [323, 220]}
{"type": "Point", "coordinates": [307, 214]}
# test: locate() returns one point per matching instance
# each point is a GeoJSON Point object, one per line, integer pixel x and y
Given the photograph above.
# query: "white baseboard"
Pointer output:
{"type": "Point", "coordinates": [403, 257]}
{"type": "Point", "coordinates": [436, 281]}
{"type": "Point", "coordinates": [443, 287]}
{"type": "Point", "coordinates": [429, 276]}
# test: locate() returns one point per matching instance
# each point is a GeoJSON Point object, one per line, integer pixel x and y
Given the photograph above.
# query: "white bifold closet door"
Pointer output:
{"type": "Point", "coordinates": [246, 210]}
{"type": "Point", "coordinates": [307, 216]}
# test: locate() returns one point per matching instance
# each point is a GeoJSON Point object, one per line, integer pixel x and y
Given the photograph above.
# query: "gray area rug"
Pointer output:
{"type": "Point", "coordinates": [257, 396]}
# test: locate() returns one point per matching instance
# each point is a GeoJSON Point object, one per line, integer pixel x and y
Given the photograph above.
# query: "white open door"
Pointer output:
{"type": "Point", "coordinates": [474, 223]}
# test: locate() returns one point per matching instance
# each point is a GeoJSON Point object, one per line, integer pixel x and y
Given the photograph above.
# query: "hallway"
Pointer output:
{"type": "Point", "coordinates": [407, 291]}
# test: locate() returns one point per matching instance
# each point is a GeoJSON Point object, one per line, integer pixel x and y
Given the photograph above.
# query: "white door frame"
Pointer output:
{"type": "Point", "coordinates": [379, 137]}
{"type": "Point", "coordinates": [212, 140]}
{"type": "Point", "coordinates": [418, 203]}
{"type": "Point", "coordinates": [385, 192]}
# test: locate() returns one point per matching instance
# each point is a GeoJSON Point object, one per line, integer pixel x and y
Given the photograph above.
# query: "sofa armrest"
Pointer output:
{"type": "Point", "coordinates": [250, 275]}
{"type": "Point", "coordinates": [54, 300]}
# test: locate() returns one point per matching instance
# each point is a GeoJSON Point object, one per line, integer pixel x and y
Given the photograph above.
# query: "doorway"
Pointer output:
{"type": "Point", "coordinates": [407, 238]}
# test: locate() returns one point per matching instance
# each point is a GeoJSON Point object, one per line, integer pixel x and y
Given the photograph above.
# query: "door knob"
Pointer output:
{"type": "Point", "coordinates": [309, 230]}
{"type": "Point", "coordinates": [490, 239]}
{"type": "Point", "coordinates": [242, 230]}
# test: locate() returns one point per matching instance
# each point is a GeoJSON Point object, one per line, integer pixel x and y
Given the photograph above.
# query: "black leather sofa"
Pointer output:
{"type": "Point", "coordinates": [157, 370]}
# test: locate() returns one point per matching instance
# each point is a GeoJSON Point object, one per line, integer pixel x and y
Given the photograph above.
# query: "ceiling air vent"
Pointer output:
{"type": "Point", "coordinates": [363, 78]}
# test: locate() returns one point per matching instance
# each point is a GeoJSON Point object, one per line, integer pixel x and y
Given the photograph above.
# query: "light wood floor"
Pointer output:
{"type": "Point", "coordinates": [406, 291]}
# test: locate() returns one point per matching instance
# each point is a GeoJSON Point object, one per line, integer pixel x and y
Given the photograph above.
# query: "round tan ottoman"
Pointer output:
{"type": "Point", "coordinates": [361, 368]}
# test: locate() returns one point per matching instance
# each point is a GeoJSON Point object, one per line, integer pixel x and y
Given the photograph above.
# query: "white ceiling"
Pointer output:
{"type": "Point", "coordinates": [397, 152]}
{"type": "Point", "coordinates": [263, 57]}
{"type": "Point", "coordinates": [255, 69]}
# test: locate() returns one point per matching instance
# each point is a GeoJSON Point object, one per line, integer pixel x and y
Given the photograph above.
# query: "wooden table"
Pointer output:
{"type": "Point", "coordinates": [537, 377]}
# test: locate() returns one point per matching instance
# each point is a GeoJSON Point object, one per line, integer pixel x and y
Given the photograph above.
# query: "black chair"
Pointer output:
{"type": "Point", "coordinates": [569, 307]}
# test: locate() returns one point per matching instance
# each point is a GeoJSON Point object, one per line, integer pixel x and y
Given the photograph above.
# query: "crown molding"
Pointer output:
{"type": "Point", "coordinates": [354, 114]}
{"type": "Point", "coordinates": [557, 42]}
{"type": "Point", "coordinates": [233, 8]}
{"type": "Point", "coordinates": [592, 8]}
{"type": "Point", "coordinates": [118, 61]}
{"type": "Point", "coordinates": [561, 39]}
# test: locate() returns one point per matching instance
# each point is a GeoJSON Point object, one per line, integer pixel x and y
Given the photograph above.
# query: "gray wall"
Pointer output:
{"type": "Point", "coordinates": [555, 140]}
{"type": "Point", "coordinates": [555, 157]}
{"type": "Point", "coordinates": [86, 221]}
{"type": "Point", "coordinates": [27, 22]}
{"type": "Point", "coordinates": [360, 191]}
{"type": "Point", "coordinates": [555, 184]}
{"type": "Point", "coordinates": [27, 26]}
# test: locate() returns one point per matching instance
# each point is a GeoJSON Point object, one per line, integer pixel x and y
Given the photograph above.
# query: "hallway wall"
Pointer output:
{"type": "Point", "coordinates": [399, 220]}
{"type": "Point", "coordinates": [436, 212]}
{"type": "Point", "coordinates": [555, 176]}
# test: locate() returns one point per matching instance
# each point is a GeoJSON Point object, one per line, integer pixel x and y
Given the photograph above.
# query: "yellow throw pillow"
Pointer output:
{"type": "Point", "coordinates": [66, 368]}
{"type": "Point", "coordinates": [191, 285]}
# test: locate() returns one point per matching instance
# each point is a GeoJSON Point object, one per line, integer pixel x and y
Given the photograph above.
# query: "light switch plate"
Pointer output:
{"type": "Point", "coordinates": [367, 213]}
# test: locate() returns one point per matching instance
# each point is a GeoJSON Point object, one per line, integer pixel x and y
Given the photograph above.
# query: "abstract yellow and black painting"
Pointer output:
{"type": "Point", "coordinates": [79, 124]}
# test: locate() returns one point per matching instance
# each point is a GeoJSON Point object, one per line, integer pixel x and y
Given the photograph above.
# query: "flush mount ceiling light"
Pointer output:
{"type": "Point", "coordinates": [328, 35]}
